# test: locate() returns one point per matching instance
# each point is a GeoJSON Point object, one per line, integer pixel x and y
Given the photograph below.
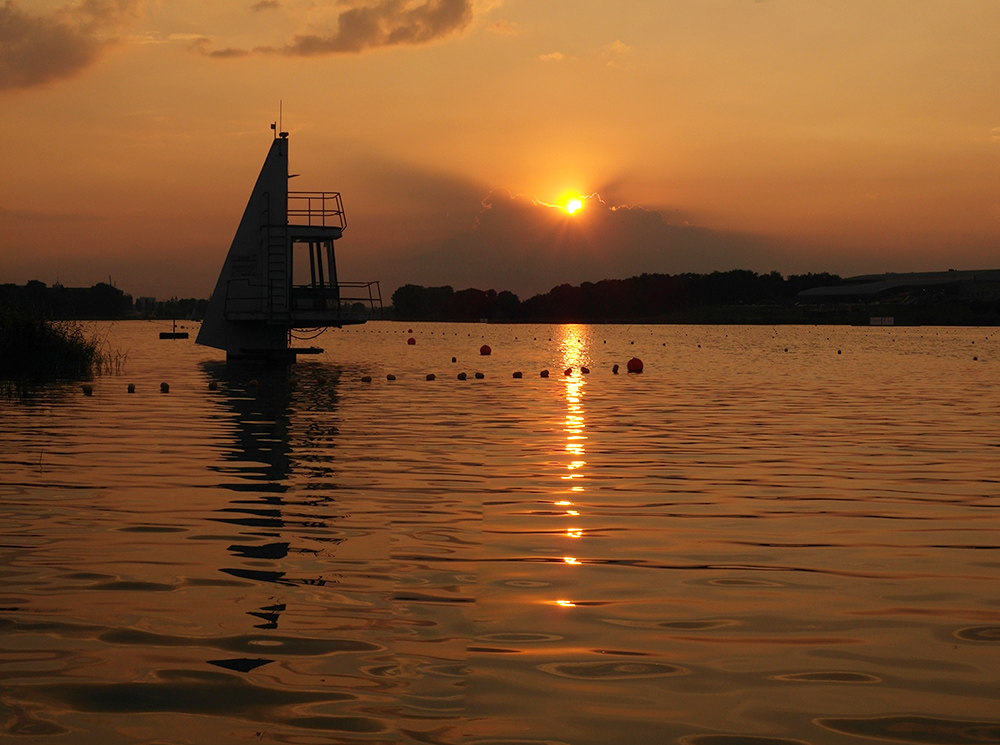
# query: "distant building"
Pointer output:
{"type": "Point", "coordinates": [909, 288]}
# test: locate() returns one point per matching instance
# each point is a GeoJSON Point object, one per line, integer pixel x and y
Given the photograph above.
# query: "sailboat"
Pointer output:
{"type": "Point", "coordinates": [280, 275]}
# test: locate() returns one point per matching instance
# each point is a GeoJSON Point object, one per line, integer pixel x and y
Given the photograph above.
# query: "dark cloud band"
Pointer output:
{"type": "Point", "coordinates": [381, 24]}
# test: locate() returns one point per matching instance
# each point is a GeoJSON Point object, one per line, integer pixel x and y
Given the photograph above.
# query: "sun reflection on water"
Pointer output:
{"type": "Point", "coordinates": [574, 348]}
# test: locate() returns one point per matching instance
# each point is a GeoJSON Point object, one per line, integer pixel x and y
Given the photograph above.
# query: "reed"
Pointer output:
{"type": "Point", "coordinates": [33, 349]}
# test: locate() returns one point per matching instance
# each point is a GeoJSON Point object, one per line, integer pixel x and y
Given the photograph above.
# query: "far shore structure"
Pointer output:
{"type": "Point", "coordinates": [281, 273]}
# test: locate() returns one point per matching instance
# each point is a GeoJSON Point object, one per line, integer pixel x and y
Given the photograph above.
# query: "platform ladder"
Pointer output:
{"type": "Point", "coordinates": [278, 307]}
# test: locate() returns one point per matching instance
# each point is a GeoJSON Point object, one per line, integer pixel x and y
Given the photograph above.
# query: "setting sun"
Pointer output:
{"type": "Point", "coordinates": [574, 205]}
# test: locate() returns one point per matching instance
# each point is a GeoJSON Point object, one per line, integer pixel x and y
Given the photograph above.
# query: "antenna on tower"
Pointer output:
{"type": "Point", "coordinates": [281, 132]}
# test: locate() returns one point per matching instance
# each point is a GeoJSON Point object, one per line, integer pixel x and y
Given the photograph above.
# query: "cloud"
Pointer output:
{"type": "Point", "coordinates": [521, 244]}
{"type": "Point", "coordinates": [995, 134]}
{"type": "Point", "coordinates": [383, 23]}
{"type": "Point", "coordinates": [552, 57]}
{"type": "Point", "coordinates": [505, 28]}
{"type": "Point", "coordinates": [38, 49]}
{"type": "Point", "coordinates": [265, 5]}
{"type": "Point", "coordinates": [614, 54]}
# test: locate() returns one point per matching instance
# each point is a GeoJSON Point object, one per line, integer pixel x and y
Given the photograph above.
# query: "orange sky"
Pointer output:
{"type": "Point", "coordinates": [841, 135]}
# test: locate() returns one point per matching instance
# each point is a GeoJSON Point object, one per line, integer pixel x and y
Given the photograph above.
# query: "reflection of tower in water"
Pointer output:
{"type": "Point", "coordinates": [277, 527]}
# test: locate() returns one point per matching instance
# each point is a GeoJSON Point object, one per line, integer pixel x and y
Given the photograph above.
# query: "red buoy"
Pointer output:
{"type": "Point", "coordinates": [634, 365]}
{"type": "Point", "coordinates": [485, 350]}
{"type": "Point", "coordinates": [411, 341]}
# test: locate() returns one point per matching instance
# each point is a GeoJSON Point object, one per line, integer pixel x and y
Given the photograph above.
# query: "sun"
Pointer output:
{"type": "Point", "coordinates": [574, 205]}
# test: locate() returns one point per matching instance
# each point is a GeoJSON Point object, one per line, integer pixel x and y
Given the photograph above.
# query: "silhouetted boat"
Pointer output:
{"type": "Point", "coordinates": [175, 334]}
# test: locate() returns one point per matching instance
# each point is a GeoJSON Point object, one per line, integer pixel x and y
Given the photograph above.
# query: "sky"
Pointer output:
{"type": "Point", "coordinates": [850, 136]}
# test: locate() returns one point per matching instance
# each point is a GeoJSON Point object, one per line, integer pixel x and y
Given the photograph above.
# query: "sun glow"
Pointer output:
{"type": "Point", "coordinates": [574, 205]}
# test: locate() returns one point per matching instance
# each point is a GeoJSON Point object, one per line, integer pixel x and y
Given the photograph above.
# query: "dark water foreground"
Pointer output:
{"type": "Point", "coordinates": [742, 545]}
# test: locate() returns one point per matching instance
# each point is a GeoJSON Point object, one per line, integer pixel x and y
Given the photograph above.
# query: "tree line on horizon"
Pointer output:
{"type": "Point", "coordinates": [643, 296]}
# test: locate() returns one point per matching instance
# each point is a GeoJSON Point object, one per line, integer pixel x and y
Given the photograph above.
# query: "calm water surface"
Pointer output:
{"type": "Point", "coordinates": [758, 540]}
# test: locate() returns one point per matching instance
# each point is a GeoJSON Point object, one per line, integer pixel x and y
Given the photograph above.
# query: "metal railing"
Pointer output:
{"type": "Point", "coordinates": [317, 209]}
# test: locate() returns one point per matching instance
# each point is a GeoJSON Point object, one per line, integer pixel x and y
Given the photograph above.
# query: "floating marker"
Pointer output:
{"type": "Point", "coordinates": [366, 378]}
{"type": "Point", "coordinates": [131, 387]}
{"type": "Point", "coordinates": [838, 351]}
{"type": "Point", "coordinates": [480, 376]}
{"type": "Point", "coordinates": [454, 360]}
{"type": "Point", "coordinates": [615, 369]}
{"type": "Point", "coordinates": [634, 365]}
{"type": "Point", "coordinates": [213, 386]}
{"type": "Point", "coordinates": [545, 373]}
{"type": "Point", "coordinates": [390, 377]}
{"type": "Point", "coordinates": [252, 384]}
{"type": "Point", "coordinates": [585, 371]}
{"type": "Point", "coordinates": [88, 390]}
{"type": "Point", "coordinates": [568, 371]}
{"type": "Point", "coordinates": [411, 341]}
{"type": "Point", "coordinates": [485, 350]}
{"type": "Point", "coordinates": [462, 376]}
{"type": "Point", "coordinates": [430, 376]}
{"type": "Point", "coordinates": [164, 388]}
{"type": "Point", "coordinates": [517, 374]}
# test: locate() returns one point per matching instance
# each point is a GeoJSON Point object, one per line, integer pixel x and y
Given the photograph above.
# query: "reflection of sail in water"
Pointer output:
{"type": "Point", "coordinates": [272, 524]}
{"type": "Point", "coordinates": [387, 573]}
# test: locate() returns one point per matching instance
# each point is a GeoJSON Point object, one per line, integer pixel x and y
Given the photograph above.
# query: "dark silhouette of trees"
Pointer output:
{"type": "Point", "coordinates": [647, 296]}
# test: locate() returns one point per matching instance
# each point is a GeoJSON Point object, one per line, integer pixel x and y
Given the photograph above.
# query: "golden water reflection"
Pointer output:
{"type": "Point", "coordinates": [575, 355]}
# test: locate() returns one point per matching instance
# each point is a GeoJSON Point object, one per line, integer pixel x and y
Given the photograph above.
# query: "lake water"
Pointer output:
{"type": "Point", "coordinates": [773, 534]}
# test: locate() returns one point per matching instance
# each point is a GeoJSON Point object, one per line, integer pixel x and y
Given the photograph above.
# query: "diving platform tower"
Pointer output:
{"type": "Point", "coordinates": [281, 272]}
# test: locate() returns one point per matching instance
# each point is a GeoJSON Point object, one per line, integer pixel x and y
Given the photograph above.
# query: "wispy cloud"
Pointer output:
{"type": "Point", "coordinates": [552, 57]}
{"type": "Point", "coordinates": [383, 23]}
{"type": "Point", "coordinates": [265, 5]}
{"type": "Point", "coordinates": [40, 48]}
{"type": "Point", "coordinates": [995, 134]}
{"type": "Point", "coordinates": [616, 53]}
{"type": "Point", "coordinates": [505, 28]}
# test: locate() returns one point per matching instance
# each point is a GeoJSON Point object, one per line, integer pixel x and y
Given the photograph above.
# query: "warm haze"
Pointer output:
{"type": "Point", "coordinates": [837, 135]}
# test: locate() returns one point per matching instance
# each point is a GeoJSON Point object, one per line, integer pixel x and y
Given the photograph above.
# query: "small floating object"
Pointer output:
{"type": "Point", "coordinates": [786, 349]}
{"type": "Point", "coordinates": [213, 386]}
{"type": "Point", "coordinates": [462, 376]}
{"type": "Point", "coordinates": [252, 384]}
{"type": "Point", "coordinates": [838, 351]}
{"type": "Point", "coordinates": [453, 359]}
{"type": "Point", "coordinates": [480, 376]}
{"type": "Point", "coordinates": [175, 334]}
{"type": "Point", "coordinates": [518, 375]}
{"type": "Point", "coordinates": [366, 378]}
{"type": "Point", "coordinates": [568, 371]}
{"type": "Point", "coordinates": [634, 365]}
{"type": "Point", "coordinates": [545, 373]}
{"type": "Point", "coordinates": [88, 390]}
{"type": "Point", "coordinates": [409, 331]}
{"type": "Point", "coordinates": [131, 387]}
{"type": "Point", "coordinates": [975, 359]}
{"type": "Point", "coordinates": [164, 388]}
{"type": "Point", "coordinates": [485, 350]}
{"type": "Point", "coordinates": [411, 341]}
{"type": "Point", "coordinates": [615, 369]}
{"type": "Point", "coordinates": [584, 370]}
{"type": "Point", "coordinates": [390, 377]}
{"type": "Point", "coordinates": [430, 376]}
